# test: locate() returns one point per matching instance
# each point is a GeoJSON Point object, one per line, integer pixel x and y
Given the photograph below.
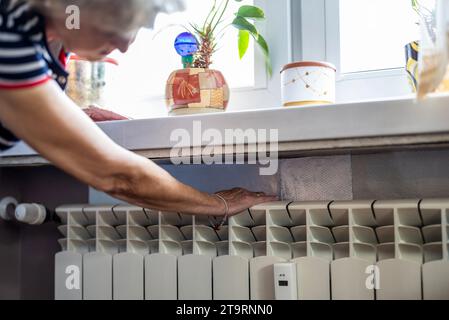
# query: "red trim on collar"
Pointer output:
{"type": "Point", "coordinates": [25, 85]}
{"type": "Point", "coordinates": [63, 57]}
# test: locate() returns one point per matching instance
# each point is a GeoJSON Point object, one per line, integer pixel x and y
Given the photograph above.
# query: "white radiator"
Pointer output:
{"type": "Point", "coordinates": [342, 250]}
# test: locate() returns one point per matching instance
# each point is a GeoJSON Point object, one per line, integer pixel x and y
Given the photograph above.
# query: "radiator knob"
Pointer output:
{"type": "Point", "coordinates": [31, 213]}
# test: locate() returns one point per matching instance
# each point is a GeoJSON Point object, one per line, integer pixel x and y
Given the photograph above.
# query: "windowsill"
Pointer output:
{"type": "Point", "coordinates": [331, 128]}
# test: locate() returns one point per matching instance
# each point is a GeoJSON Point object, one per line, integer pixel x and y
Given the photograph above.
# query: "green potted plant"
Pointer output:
{"type": "Point", "coordinates": [197, 88]}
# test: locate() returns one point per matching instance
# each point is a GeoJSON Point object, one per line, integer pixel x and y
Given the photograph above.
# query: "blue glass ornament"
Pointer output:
{"type": "Point", "coordinates": [186, 46]}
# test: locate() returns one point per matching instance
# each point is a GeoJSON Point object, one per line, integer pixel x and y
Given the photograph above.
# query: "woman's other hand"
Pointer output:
{"type": "Point", "coordinates": [99, 115]}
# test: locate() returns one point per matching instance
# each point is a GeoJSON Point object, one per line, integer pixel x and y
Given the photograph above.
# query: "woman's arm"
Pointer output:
{"type": "Point", "coordinates": [54, 126]}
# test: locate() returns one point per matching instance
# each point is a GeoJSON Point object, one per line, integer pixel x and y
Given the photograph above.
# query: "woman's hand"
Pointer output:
{"type": "Point", "coordinates": [99, 115]}
{"type": "Point", "coordinates": [239, 200]}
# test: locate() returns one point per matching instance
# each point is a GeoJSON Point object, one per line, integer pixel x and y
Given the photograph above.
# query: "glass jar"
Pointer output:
{"type": "Point", "coordinates": [88, 80]}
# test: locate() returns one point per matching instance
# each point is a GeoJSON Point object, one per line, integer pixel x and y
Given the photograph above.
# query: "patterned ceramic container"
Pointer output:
{"type": "Point", "coordinates": [195, 90]}
{"type": "Point", "coordinates": [308, 83]}
{"type": "Point", "coordinates": [412, 60]}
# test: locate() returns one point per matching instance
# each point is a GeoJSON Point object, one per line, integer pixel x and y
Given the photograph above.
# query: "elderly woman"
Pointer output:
{"type": "Point", "coordinates": [33, 106]}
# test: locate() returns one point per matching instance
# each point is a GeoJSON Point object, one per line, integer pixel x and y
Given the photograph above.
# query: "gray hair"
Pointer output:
{"type": "Point", "coordinates": [118, 16]}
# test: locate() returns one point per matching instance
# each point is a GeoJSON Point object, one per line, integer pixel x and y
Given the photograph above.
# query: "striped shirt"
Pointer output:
{"type": "Point", "coordinates": [26, 59]}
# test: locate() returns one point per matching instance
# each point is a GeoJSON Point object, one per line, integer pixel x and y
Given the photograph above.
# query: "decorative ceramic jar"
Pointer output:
{"type": "Point", "coordinates": [308, 83]}
{"type": "Point", "coordinates": [195, 90]}
{"type": "Point", "coordinates": [412, 62]}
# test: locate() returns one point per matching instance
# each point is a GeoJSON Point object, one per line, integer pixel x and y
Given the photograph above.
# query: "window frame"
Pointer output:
{"type": "Point", "coordinates": [318, 38]}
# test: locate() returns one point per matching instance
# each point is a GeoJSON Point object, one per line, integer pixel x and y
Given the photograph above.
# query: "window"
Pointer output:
{"type": "Point", "coordinates": [373, 34]}
{"type": "Point", "coordinates": [149, 62]}
{"type": "Point", "coordinates": [365, 39]}
{"type": "Point", "coordinates": [137, 87]}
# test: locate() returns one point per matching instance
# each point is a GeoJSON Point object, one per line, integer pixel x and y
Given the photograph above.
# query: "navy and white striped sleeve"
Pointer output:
{"type": "Point", "coordinates": [21, 59]}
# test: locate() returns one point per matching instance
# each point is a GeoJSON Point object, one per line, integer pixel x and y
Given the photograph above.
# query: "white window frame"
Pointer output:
{"type": "Point", "coordinates": [317, 37]}
{"type": "Point", "coordinates": [267, 91]}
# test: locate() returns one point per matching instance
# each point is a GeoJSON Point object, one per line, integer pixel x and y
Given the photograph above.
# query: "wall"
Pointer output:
{"type": "Point", "coordinates": [389, 175]}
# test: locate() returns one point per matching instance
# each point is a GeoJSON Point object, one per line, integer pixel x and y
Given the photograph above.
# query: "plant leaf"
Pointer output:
{"type": "Point", "coordinates": [260, 40]}
{"type": "Point", "coordinates": [263, 44]}
{"type": "Point", "coordinates": [242, 24]}
{"type": "Point", "coordinates": [197, 29]}
{"type": "Point", "coordinates": [251, 12]}
{"type": "Point", "coordinates": [243, 43]}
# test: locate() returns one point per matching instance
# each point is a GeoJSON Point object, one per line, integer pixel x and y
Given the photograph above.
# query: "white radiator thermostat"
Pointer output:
{"type": "Point", "coordinates": [31, 213]}
{"type": "Point", "coordinates": [285, 284]}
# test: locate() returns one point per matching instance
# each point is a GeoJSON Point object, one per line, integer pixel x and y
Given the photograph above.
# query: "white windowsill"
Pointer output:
{"type": "Point", "coordinates": [369, 124]}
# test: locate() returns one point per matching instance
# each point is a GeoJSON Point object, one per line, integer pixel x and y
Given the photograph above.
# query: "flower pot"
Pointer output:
{"type": "Point", "coordinates": [195, 90]}
{"type": "Point", "coordinates": [308, 83]}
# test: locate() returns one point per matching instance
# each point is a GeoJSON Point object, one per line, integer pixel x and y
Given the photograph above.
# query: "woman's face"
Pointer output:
{"type": "Point", "coordinates": [92, 43]}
